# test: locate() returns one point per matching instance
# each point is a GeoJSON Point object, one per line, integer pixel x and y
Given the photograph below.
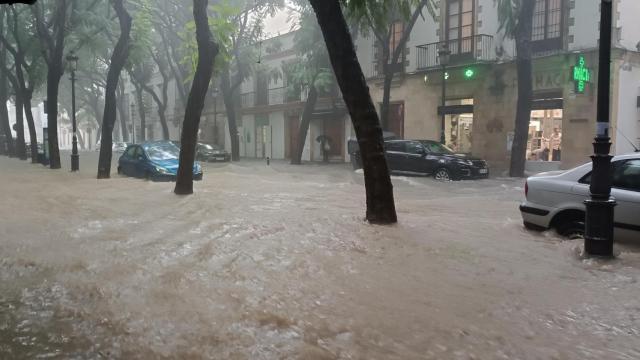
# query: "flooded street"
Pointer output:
{"type": "Point", "coordinates": [277, 263]}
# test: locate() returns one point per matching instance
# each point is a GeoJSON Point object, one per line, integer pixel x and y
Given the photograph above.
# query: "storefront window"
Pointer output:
{"type": "Point", "coordinates": [458, 128]}
{"type": "Point", "coordinates": [545, 136]}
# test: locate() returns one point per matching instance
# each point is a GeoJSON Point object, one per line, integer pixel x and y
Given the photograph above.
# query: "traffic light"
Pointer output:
{"type": "Point", "coordinates": [469, 73]}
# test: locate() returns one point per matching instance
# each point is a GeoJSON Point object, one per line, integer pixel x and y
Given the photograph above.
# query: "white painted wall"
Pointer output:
{"type": "Point", "coordinates": [276, 120]}
{"type": "Point", "coordinates": [585, 31]}
{"type": "Point", "coordinates": [628, 113]}
{"type": "Point", "coordinates": [38, 116]}
{"type": "Point", "coordinates": [629, 12]}
{"type": "Point", "coordinates": [248, 141]}
{"type": "Point", "coordinates": [425, 31]}
{"type": "Point", "coordinates": [364, 51]}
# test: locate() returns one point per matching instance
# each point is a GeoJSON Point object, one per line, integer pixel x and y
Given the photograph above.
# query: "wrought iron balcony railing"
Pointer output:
{"type": "Point", "coordinates": [468, 50]}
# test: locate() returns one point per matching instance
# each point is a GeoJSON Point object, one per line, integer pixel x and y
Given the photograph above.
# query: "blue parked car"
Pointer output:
{"type": "Point", "coordinates": [156, 161]}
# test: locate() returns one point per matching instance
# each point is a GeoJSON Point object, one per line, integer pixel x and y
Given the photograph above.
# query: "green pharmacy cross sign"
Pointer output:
{"type": "Point", "coordinates": [581, 75]}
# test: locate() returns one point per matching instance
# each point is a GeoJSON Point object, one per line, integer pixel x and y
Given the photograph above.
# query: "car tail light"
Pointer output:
{"type": "Point", "coordinates": [526, 188]}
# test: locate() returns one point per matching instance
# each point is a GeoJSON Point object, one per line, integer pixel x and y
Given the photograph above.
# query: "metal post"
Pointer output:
{"type": "Point", "coordinates": [600, 207]}
{"type": "Point", "coordinates": [75, 157]}
{"type": "Point", "coordinates": [443, 137]}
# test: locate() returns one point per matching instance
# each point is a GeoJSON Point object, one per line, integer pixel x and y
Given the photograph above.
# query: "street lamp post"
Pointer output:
{"type": "Point", "coordinates": [443, 56]}
{"type": "Point", "coordinates": [598, 238]}
{"type": "Point", "coordinates": [72, 59]}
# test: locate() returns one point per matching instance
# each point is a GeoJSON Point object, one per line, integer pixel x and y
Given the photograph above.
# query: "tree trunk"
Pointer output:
{"type": "Point", "coordinates": [141, 113]}
{"type": "Point", "coordinates": [380, 202]}
{"type": "Point", "coordinates": [53, 43]}
{"type": "Point", "coordinates": [21, 150]}
{"type": "Point", "coordinates": [54, 74]}
{"type": "Point", "coordinates": [118, 60]}
{"type": "Point", "coordinates": [386, 99]}
{"type": "Point", "coordinates": [5, 127]}
{"type": "Point", "coordinates": [307, 113]}
{"type": "Point", "coordinates": [81, 140]}
{"type": "Point", "coordinates": [230, 108]}
{"type": "Point", "coordinates": [32, 126]}
{"type": "Point", "coordinates": [122, 113]}
{"type": "Point", "coordinates": [4, 117]}
{"type": "Point", "coordinates": [525, 89]}
{"type": "Point", "coordinates": [162, 103]}
{"type": "Point", "coordinates": [162, 108]}
{"type": "Point", "coordinates": [20, 146]}
{"type": "Point", "coordinates": [95, 106]}
{"type": "Point", "coordinates": [23, 93]}
{"type": "Point", "coordinates": [207, 52]}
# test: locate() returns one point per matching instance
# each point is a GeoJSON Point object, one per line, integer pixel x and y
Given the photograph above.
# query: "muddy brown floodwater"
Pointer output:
{"type": "Point", "coordinates": [277, 263]}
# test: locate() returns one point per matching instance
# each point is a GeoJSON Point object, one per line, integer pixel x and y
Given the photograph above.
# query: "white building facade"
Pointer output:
{"type": "Point", "coordinates": [481, 85]}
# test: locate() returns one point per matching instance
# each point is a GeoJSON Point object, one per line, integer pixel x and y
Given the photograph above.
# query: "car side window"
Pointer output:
{"type": "Point", "coordinates": [395, 146]}
{"type": "Point", "coordinates": [432, 148]}
{"type": "Point", "coordinates": [627, 176]}
{"type": "Point", "coordinates": [131, 152]}
{"type": "Point", "coordinates": [415, 148]}
{"type": "Point", "coordinates": [139, 153]}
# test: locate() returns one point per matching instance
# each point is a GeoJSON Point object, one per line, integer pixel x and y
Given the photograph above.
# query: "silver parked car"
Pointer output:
{"type": "Point", "coordinates": [556, 199]}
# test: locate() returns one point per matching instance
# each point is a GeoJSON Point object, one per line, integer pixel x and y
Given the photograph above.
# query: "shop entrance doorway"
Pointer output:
{"type": "Point", "coordinates": [459, 125]}
{"type": "Point", "coordinates": [263, 137]}
{"type": "Point", "coordinates": [545, 136]}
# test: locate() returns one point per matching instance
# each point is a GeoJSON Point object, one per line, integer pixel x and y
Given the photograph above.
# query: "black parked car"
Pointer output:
{"type": "Point", "coordinates": [427, 157]}
{"type": "Point", "coordinates": [354, 149]}
{"type": "Point", "coordinates": [211, 153]}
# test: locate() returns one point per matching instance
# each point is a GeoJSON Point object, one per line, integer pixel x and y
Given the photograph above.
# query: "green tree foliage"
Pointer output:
{"type": "Point", "coordinates": [378, 17]}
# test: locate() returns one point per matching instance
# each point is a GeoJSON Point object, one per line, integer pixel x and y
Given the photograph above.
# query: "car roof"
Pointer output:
{"type": "Point", "coordinates": [578, 172]}
{"type": "Point", "coordinates": [147, 144]}
{"type": "Point", "coordinates": [632, 156]}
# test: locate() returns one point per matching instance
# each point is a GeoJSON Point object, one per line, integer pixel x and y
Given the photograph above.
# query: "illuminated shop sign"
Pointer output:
{"type": "Point", "coordinates": [581, 75]}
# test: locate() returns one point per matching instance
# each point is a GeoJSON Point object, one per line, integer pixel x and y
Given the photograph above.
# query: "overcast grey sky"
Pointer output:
{"type": "Point", "coordinates": [278, 24]}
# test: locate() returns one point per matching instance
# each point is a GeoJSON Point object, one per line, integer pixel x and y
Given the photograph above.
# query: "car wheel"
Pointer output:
{"type": "Point", "coordinates": [573, 230]}
{"type": "Point", "coordinates": [442, 174]}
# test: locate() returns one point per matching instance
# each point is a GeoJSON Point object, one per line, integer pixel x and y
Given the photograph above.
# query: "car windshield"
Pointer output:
{"type": "Point", "coordinates": [437, 148]}
{"type": "Point", "coordinates": [163, 152]}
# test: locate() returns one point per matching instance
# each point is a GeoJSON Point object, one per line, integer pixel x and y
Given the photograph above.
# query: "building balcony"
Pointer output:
{"type": "Point", "coordinates": [283, 97]}
{"type": "Point", "coordinates": [277, 96]}
{"type": "Point", "coordinates": [248, 100]}
{"type": "Point", "coordinates": [464, 51]}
